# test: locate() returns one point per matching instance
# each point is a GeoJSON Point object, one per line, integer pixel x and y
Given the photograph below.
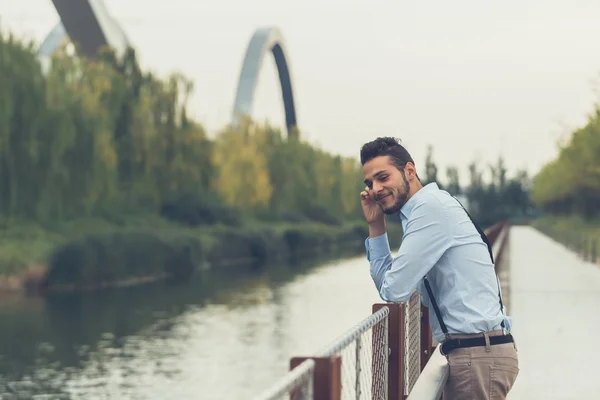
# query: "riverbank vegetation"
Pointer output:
{"type": "Point", "coordinates": [105, 178]}
{"type": "Point", "coordinates": [491, 197]}
{"type": "Point", "coordinates": [567, 188]}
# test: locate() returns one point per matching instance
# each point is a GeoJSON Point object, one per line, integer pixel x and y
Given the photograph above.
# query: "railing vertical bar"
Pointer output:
{"type": "Point", "coordinates": [406, 348]}
{"type": "Point", "coordinates": [396, 353]}
{"type": "Point", "coordinates": [379, 359]}
{"type": "Point", "coordinates": [297, 384]}
{"type": "Point", "coordinates": [327, 382]}
{"type": "Point", "coordinates": [426, 338]}
{"type": "Point", "coordinates": [386, 352]}
{"type": "Point", "coordinates": [310, 390]}
{"type": "Point", "coordinates": [357, 367]}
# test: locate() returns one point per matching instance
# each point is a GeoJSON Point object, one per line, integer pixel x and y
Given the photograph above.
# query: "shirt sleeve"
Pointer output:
{"type": "Point", "coordinates": [426, 239]}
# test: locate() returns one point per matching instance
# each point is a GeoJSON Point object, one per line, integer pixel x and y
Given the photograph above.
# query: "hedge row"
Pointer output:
{"type": "Point", "coordinates": [109, 259]}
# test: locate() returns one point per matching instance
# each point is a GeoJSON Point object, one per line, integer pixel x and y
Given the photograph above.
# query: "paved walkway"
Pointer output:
{"type": "Point", "coordinates": [555, 305]}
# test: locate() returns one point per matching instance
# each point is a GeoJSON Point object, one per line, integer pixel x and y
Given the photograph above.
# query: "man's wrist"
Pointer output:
{"type": "Point", "coordinates": [377, 228]}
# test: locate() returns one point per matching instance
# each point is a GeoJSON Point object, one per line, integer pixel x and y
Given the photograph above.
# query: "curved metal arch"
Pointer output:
{"type": "Point", "coordinates": [87, 23]}
{"type": "Point", "coordinates": [268, 39]}
{"type": "Point", "coordinates": [53, 40]}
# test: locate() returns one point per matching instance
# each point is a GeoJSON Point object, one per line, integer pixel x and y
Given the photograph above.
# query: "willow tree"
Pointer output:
{"type": "Point", "coordinates": [22, 117]}
{"type": "Point", "coordinates": [571, 182]}
{"type": "Point", "coordinates": [242, 174]}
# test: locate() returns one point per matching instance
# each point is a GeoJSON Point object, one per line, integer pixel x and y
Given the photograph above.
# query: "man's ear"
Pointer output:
{"type": "Point", "coordinates": [410, 171]}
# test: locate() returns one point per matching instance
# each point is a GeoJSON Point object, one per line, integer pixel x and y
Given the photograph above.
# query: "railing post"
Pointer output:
{"type": "Point", "coordinates": [379, 359]}
{"type": "Point", "coordinates": [426, 340]}
{"type": "Point", "coordinates": [357, 367]}
{"type": "Point", "coordinates": [396, 349]}
{"type": "Point", "coordinates": [327, 384]}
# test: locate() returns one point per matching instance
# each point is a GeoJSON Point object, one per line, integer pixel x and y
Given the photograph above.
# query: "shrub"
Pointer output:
{"type": "Point", "coordinates": [321, 214]}
{"type": "Point", "coordinates": [101, 259]}
{"type": "Point", "coordinates": [192, 210]}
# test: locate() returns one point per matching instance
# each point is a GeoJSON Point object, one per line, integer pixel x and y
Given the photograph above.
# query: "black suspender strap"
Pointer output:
{"type": "Point", "coordinates": [489, 246]}
{"type": "Point", "coordinates": [435, 308]}
{"type": "Point", "coordinates": [481, 233]}
{"type": "Point", "coordinates": [430, 292]}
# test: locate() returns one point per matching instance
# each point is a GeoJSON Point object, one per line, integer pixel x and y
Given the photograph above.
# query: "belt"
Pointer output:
{"type": "Point", "coordinates": [453, 344]}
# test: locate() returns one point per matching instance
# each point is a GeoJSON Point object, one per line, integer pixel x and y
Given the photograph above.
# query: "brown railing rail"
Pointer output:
{"type": "Point", "coordinates": [390, 355]}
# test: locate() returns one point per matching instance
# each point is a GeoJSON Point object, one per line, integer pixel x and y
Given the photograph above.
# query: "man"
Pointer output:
{"type": "Point", "coordinates": [445, 258]}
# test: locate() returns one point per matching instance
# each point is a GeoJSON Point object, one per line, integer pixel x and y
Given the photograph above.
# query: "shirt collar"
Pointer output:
{"type": "Point", "coordinates": [410, 204]}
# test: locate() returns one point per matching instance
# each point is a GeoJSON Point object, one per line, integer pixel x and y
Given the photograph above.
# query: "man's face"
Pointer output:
{"type": "Point", "coordinates": [387, 183]}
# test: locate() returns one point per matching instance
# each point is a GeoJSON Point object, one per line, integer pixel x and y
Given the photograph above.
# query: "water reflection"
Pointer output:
{"type": "Point", "coordinates": [222, 335]}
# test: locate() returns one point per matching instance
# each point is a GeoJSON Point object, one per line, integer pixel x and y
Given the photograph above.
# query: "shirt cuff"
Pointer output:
{"type": "Point", "coordinates": [377, 247]}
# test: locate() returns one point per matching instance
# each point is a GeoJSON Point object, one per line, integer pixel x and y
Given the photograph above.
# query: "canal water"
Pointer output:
{"type": "Point", "coordinates": [224, 335]}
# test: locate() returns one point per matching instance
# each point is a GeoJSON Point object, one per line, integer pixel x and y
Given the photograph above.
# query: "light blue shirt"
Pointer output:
{"type": "Point", "coordinates": [439, 241]}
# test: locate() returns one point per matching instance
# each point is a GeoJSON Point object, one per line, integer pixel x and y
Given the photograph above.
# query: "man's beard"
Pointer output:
{"type": "Point", "coordinates": [402, 198]}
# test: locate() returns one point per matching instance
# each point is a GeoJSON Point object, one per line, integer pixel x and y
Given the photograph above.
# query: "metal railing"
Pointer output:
{"type": "Point", "coordinates": [296, 385]}
{"type": "Point", "coordinates": [389, 355]}
{"type": "Point", "coordinates": [364, 355]}
{"type": "Point", "coordinates": [412, 342]}
{"type": "Point", "coordinates": [432, 379]}
{"type": "Point", "coordinates": [358, 365]}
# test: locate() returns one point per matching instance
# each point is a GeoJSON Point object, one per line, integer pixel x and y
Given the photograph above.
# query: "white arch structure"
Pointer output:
{"type": "Point", "coordinates": [87, 23]}
{"type": "Point", "coordinates": [265, 40]}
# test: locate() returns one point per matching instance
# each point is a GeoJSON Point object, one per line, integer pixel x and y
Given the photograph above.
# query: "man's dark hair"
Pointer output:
{"type": "Point", "coordinates": [385, 146]}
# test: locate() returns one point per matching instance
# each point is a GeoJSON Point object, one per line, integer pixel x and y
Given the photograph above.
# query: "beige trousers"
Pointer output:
{"type": "Point", "coordinates": [485, 372]}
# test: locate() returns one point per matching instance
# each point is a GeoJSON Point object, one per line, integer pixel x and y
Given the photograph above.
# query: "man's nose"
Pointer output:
{"type": "Point", "coordinates": [377, 188]}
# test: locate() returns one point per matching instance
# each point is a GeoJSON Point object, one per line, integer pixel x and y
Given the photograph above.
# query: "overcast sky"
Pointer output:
{"type": "Point", "coordinates": [473, 78]}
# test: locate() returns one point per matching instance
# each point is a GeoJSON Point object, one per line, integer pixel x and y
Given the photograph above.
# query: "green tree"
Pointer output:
{"type": "Point", "coordinates": [430, 167]}
{"type": "Point", "coordinates": [103, 136]}
{"type": "Point", "coordinates": [571, 182]}
{"type": "Point", "coordinates": [453, 186]}
{"type": "Point", "coordinates": [242, 171]}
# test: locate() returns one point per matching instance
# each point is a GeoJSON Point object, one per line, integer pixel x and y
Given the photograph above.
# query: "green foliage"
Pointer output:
{"type": "Point", "coordinates": [200, 209]}
{"type": "Point", "coordinates": [260, 169]}
{"type": "Point", "coordinates": [500, 198]}
{"type": "Point", "coordinates": [579, 234]}
{"type": "Point", "coordinates": [101, 259]}
{"type": "Point", "coordinates": [117, 256]}
{"type": "Point", "coordinates": [88, 143]}
{"type": "Point", "coordinates": [91, 136]}
{"type": "Point", "coordinates": [453, 186]}
{"type": "Point", "coordinates": [570, 184]}
{"type": "Point", "coordinates": [97, 136]}
{"type": "Point", "coordinates": [488, 202]}
{"type": "Point", "coordinates": [431, 169]}
{"type": "Point", "coordinates": [572, 224]}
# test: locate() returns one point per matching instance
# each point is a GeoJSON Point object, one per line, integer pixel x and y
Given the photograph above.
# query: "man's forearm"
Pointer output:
{"type": "Point", "coordinates": [377, 228]}
{"type": "Point", "coordinates": [380, 258]}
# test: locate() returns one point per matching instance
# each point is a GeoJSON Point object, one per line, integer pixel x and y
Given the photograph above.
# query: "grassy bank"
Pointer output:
{"type": "Point", "coordinates": [577, 233]}
{"type": "Point", "coordinates": [96, 252]}
{"type": "Point", "coordinates": [572, 223]}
